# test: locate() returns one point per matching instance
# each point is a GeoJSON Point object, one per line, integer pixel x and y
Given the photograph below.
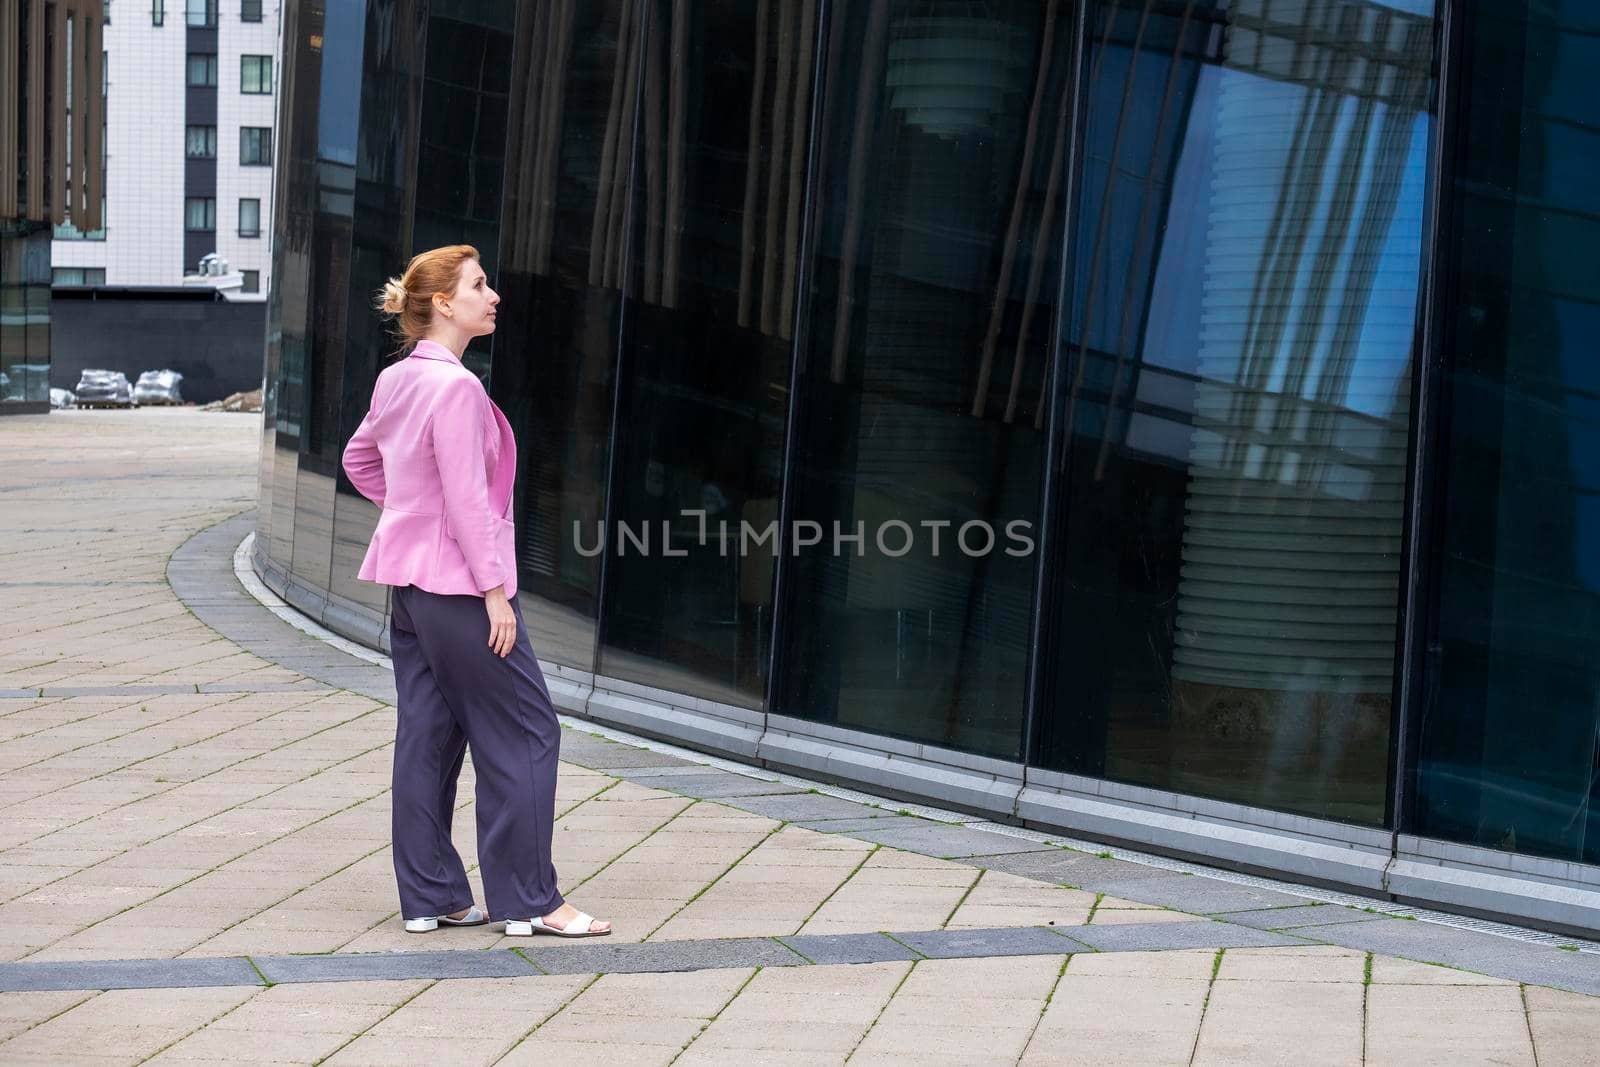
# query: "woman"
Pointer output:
{"type": "Point", "coordinates": [438, 456]}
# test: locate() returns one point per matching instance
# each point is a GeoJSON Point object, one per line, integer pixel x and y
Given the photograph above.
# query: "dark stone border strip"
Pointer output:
{"type": "Point", "coordinates": [541, 957]}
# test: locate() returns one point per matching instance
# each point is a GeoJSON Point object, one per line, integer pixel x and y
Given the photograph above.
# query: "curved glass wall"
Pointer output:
{"type": "Point", "coordinates": [1032, 387]}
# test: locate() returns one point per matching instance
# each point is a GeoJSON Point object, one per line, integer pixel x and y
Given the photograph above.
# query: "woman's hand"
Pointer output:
{"type": "Point", "coordinates": [502, 621]}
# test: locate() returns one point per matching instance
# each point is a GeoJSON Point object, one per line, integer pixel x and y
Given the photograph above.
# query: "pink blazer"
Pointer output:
{"type": "Point", "coordinates": [439, 457]}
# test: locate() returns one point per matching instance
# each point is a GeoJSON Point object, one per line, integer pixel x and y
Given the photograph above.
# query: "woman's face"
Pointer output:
{"type": "Point", "coordinates": [472, 305]}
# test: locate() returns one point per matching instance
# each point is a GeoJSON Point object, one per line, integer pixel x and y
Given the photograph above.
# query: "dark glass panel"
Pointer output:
{"type": "Point", "coordinates": [1236, 401]}
{"type": "Point", "coordinates": [382, 149]}
{"type": "Point", "coordinates": [328, 312]}
{"type": "Point", "coordinates": [715, 249]}
{"type": "Point", "coordinates": [295, 279]}
{"type": "Point", "coordinates": [574, 80]}
{"type": "Point", "coordinates": [25, 278]}
{"type": "Point", "coordinates": [1509, 753]}
{"type": "Point", "coordinates": [943, 163]}
{"type": "Point", "coordinates": [459, 164]}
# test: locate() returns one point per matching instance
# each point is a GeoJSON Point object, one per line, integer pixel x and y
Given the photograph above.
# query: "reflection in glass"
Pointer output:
{"type": "Point", "coordinates": [1509, 753]}
{"type": "Point", "coordinates": [459, 167]}
{"type": "Point", "coordinates": [706, 356]}
{"type": "Point", "coordinates": [573, 90]}
{"type": "Point", "coordinates": [24, 312]}
{"type": "Point", "coordinates": [943, 146]}
{"type": "Point", "coordinates": [380, 143]}
{"type": "Point", "coordinates": [1238, 399]}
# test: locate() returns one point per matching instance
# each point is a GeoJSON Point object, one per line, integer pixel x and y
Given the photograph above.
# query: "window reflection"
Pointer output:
{"type": "Point", "coordinates": [944, 146]}
{"type": "Point", "coordinates": [573, 80]}
{"type": "Point", "coordinates": [724, 127]}
{"type": "Point", "coordinates": [379, 144]}
{"type": "Point", "coordinates": [1238, 407]}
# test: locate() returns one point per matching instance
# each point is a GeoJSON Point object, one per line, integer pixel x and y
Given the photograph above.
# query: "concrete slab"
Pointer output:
{"type": "Point", "coordinates": [390, 966]}
{"type": "Point", "coordinates": [848, 948]}
{"type": "Point", "coordinates": [1016, 941]}
{"type": "Point", "coordinates": [127, 974]}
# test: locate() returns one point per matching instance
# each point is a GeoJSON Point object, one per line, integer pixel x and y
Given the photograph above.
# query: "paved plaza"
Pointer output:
{"type": "Point", "coordinates": [194, 863]}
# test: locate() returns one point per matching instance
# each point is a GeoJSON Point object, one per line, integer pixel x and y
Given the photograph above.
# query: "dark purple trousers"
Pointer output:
{"type": "Point", "coordinates": [454, 692]}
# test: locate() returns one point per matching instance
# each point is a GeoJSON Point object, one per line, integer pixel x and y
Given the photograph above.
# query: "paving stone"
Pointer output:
{"type": "Point", "coordinates": [1011, 941]}
{"type": "Point", "coordinates": [803, 806]}
{"type": "Point", "coordinates": [946, 841]}
{"type": "Point", "coordinates": [848, 948]}
{"type": "Point", "coordinates": [884, 821]}
{"type": "Point", "coordinates": [1066, 867]}
{"type": "Point", "coordinates": [1144, 937]}
{"type": "Point", "coordinates": [1198, 894]}
{"type": "Point", "coordinates": [642, 957]}
{"type": "Point", "coordinates": [719, 784]}
{"type": "Point", "coordinates": [1485, 953]}
{"type": "Point", "coordinates": [1297, 916]}
{"type": "Point", "coordinates": [127, 974]}
{"type": "Point", "coordinates": [615, 757]}
{"type": "Point", "coordinates": [362, 966]}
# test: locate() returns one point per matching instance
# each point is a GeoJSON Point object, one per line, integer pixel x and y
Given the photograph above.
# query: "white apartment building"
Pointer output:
{"type": "Point", "coordinates": [191, 110]}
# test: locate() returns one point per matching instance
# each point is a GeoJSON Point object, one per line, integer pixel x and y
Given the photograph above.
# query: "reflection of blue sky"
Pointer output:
{"type": "Point", "coordinates": [1217, 233]}
{"type": "Point", "coordinates": [339, 105]}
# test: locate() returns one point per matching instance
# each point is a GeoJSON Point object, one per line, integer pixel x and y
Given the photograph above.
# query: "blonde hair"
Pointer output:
{"type": "Point", "coordinates": [409, 298]}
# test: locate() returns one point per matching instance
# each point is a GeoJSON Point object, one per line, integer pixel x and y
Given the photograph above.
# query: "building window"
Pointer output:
{"type": "Point", "coordinates": [158, 12]}
{"type": "Point", "coordinates": [249, 217]}
{"type": "Point", "coordinates": [200, 213]}
{"type": "Point", "coordinates": [201, 142]}
{"type": "Point", "coordinates": [250, 11]}
{"type": "Point", "coordinates": [255, 146]}
{"type": "Point", "coordinates": [255, 74]}
{"type": "Point", "coordinates": [203, 69]}
{"type": "Point", "coordinates": [252, 281]}
{"type": "Point", "coordinates": [78, 276]}
{"type": "Point", "coordinates": [202, 13]}
{"type": "Point", "coordinates": [66, 231]}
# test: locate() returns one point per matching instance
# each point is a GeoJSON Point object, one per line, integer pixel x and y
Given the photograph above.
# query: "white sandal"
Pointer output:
{"type": "Point", "coordinates": [475, 916]}
{"type": "Point", "coordinates": [581, 926]}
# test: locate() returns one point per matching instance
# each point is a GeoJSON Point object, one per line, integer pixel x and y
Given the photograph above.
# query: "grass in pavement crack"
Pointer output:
{"type": "Point", "coordinates": [269, 983]}
{"type": "Point", "coordinates": [909, 948]}
{"type": "Point", "coordinates": [703, 890]}
{"type": "Point", "coordinates": [889, 1000]}
{"type": "Point", "coordinates": [1098, 897]}
{"type": "Point", "coordinates": [602, 868]}
{"type": "Point", "coordinates": [963, 900]}
{"type": "Point", "coordinates": [1048, 997]}
{"type": "Point", "coordinates": [368, 1029]}
{"type": "Point", "coordinates": [715, 1016]}
{"type": "Point", "coordinates": [190, 1033]}
{"type": "Point", "coordinates": [873, 851]}
{"type": "Point", "coordinates": [1216, 966]}
{"type": "Point", "coordinates": [557, 1010]}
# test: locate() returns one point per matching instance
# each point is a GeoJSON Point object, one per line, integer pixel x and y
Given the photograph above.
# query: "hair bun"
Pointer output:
{"type": "Point", "coordinates": [394, 297]}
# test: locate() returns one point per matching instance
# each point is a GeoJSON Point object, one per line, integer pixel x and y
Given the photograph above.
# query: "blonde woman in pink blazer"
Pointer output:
{"type": "Point", "coordinates": [437, 455]}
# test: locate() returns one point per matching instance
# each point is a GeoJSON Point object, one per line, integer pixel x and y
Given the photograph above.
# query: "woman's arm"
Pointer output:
{"type": "Point", "coordinates": [457, 428]}
{"type": "Point", "coordinates": [363, 463]}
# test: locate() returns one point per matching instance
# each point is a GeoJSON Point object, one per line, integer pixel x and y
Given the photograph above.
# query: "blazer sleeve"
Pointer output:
{"type": "Point", "coordinates": [456, 429]}
{"type": "Point", "coordinates": [363, 463]}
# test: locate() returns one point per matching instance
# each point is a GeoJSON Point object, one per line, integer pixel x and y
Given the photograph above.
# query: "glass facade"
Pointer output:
{"type": "Point", "coordinates": [1186, 397]}
{"type": "Point", "coordinates": [24, 314]}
